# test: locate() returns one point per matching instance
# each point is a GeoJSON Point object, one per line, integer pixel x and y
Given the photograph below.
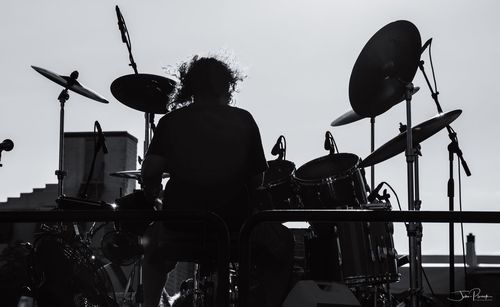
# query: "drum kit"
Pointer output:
{"type": "Point", "coordinates": [360, 254]}
{"type": "Point", "coordinates": [363, 255]}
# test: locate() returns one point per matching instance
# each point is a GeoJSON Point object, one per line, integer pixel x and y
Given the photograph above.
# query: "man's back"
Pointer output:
{"type": "Point", "coordinates": [211, 151]}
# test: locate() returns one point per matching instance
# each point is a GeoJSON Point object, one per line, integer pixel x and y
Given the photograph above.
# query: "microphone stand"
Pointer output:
{"type": "Point", "coordinates": [453, 148]}
{"type": "Point", "coordinates": [148, 124]}
{"type": "Point", "coordinates": [97, 148]}
{"type": "Point", "coordinates": [148, 117]}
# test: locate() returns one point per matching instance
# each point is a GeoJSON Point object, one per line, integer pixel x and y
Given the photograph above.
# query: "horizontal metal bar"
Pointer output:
{"type": "Point", "coordinates": [271, 215]}
{"type": "Point", "coordinates": [103, 215]}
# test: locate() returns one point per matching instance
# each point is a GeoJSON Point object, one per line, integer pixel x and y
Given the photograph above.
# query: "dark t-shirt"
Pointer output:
{"type": "Point", "coordinates": [211, 152]}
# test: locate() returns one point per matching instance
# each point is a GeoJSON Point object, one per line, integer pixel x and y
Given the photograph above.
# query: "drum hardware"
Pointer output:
{"type": "Point", "coordinates": [69, 83]}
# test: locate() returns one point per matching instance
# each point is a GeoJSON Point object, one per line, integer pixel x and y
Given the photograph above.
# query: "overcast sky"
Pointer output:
{"type": "Point", "coordinates": [298, 55]}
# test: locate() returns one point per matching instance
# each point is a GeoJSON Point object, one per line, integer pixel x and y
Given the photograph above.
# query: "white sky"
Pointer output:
{"type": "Point", "coordinates": [298, 55]}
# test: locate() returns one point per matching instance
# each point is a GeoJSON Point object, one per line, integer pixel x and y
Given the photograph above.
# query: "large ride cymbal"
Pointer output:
{"type": "Point", "coordinates": [143, 92]}
{"type": "Point", "coordinates": [133, 174]}
{"type": "Point", "coordinates": [420, 133]}
{"type": "Point", "coordinates": [387, 63]}
{"type": "Point", "coordinates": [74, 85]}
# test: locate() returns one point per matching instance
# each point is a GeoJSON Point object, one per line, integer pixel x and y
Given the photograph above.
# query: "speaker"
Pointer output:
{"type": "Point", "coordinates": [310, 293]}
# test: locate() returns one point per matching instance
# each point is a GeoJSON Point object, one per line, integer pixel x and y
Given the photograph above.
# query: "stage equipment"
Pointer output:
{"type": "Point", "coordinates": [69, 83]}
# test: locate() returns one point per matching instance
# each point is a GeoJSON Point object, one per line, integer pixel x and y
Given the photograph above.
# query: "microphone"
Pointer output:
{"type": "Point", "coordinates": [121, 24]}
{"type": "Point", "coordinates": [427, 43]}
{"type": "Point", "coordinates": [329, 142]}
{"type": "Point", "coordinates": [279, 148]}
{"type": "Point", "coordinates": [102, 140]}
{"type": "Point", "coordinates": [6, 145]}
{"type": "Point", "coordinates": [374, 193]}
{"type": "Point", "coordinates": [276, 148]}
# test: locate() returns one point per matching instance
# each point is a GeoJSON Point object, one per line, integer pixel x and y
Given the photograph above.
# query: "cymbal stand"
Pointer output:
{"type": "Point", "coordinates": [412, 228]}
{"type": "Point", "coordinates": [63, 97]}
{"type": "Point", "coordinates": [453, 148]}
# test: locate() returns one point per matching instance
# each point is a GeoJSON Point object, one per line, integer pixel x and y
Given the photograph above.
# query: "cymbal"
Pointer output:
{"type": "Point", "coordinates": [346, 118]}
{"type": "Point", "coordinates": [133, 174]}
{"type": "Point", "coordinates": [351, 116]}
{"type": "Point", "coordinates": [387, 63]}
{"type": "Point", "coordinates": [75, 87]}
{"type": "Point", "coordinates": [420, 133]}
{"type": "Point", "coordinates": [143, 92]}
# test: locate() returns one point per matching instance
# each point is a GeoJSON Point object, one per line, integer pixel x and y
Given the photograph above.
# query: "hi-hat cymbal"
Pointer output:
{"type": "Point", "coordinates": [387, 63]}
{"type": "Point", "coordinates": [133, 174]}
{"type": "Point", "coordinates": [143, 92]}
{"type": "Point", "coordinates": [420, 133]}
{"type": "Point", "coordinates": [74, 86]}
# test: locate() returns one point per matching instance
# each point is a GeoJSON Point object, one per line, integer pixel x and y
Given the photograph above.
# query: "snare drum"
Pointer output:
{"type": "Point", "coordinates": [331, 182]}
{"type": "Point", "coordinates": [134, 201]}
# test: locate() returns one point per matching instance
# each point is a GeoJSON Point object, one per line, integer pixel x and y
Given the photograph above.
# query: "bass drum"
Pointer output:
{"type": "Point", "coordinates": [278, 186]}
{"type": "Point", "coordinates": [72, 276]}
{"type": "Point", "coordinates": [380, 236]}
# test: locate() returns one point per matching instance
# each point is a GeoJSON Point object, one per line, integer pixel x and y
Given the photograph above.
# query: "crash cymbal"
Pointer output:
{"type": "Point", "coordinates": [420, 133]}
{"type": "Point", "coordinates": [386, 64]}
{"type": "Point", "coordinates": [132, 174]}
{"type": "Point", "coordinates": [143, 92]}
{"type": "Point", "coordinates": [75, 86]}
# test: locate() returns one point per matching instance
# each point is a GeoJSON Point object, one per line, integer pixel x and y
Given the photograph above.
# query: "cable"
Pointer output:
{"type": "Point", "coordinates": [283, 147]}
{"type": "Point", "coordinates": [432, 70]}
{"type": "Point", "coordinates": [461, 224]}
{"type": "Point", "coordinates": [395, 194]}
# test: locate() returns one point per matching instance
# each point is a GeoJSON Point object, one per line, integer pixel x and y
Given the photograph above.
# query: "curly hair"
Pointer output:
{"type": "Point", "coordinates": [204, 76]}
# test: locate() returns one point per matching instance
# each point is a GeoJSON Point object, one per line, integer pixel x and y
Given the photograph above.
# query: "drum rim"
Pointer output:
{"type": "Point", "coordinates": [333, 177]}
